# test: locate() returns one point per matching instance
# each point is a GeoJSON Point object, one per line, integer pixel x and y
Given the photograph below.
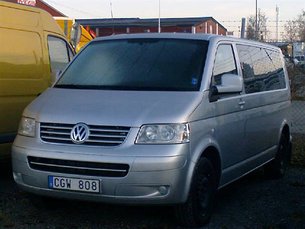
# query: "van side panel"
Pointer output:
{"type": "Point", "coordinates": [245, 128]}
{"type": "Point", "coordinates": [267, 109]}
{"type": "Point", "coordinates": [11, 15]}
{"type": "Point", "coordinates": [53, 27]}
{"type": "Point", "coordinates": [266, 97]}
{"type": "Point", "coordinates": [21, 72]}
{"type": "Point", "coordinates": [24, 63]}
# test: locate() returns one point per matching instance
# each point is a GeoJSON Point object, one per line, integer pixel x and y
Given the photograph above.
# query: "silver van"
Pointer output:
{"type": "Point", "coordinates": [157, 119]}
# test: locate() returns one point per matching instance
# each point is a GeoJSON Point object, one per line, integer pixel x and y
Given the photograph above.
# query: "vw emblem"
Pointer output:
{"type": "Point", "coordinates": [80, 133]}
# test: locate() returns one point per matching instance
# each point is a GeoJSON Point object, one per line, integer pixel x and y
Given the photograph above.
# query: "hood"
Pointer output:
{"type": "Point", "coordinates": [119, 108]}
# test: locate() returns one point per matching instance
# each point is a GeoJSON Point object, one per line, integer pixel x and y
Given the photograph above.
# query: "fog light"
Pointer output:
{"type": "Point", "coordinates": [163, 190]}
{"type": "Point", "coordinates": [17, 177]}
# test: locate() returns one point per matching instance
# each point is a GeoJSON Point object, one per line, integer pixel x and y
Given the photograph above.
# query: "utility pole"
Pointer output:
{"type": "Point", "coordinates": [256, 22]}
{"type": "Point", "coordinates": [159, 20]}
{"type": "Point", "coordinates": [243, 28]}
{"type": "Point", "coordinates": [111, 17]}
{"type": "Point", "coordinates": [277, 23]}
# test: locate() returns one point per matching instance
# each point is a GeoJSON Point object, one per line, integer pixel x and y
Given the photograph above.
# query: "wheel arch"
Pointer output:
{"type": "Point", "coordinates": [212, 154]}
{"type": "Point", "coordinates": [285, 131]}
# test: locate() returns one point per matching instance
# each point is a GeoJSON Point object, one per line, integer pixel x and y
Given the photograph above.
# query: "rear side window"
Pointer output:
{"type": "Point", "coordinates": [59, 52]}
{"type": "Point", "coordinates": [262, 69]}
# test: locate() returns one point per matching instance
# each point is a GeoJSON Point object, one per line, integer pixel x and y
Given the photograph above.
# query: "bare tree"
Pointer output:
{"type": "Point", "coordinates": [260, 33]}
{"type": "Point", "coordinates": [295, 29]}
{"type": "Point", "coordinates": [291, 29]}
{"type": "Point", "coordinates": [301, 20]}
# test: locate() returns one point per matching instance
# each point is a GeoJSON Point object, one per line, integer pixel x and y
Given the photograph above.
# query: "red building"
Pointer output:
{"type": "Point", "coordinates": [106, 27]}
{"type": "Point", "coordinates": [40, 4]}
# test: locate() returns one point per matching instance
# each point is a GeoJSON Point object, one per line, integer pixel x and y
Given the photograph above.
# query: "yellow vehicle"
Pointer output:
{"type": "Point", "coordinates": [75, 33]}
{"type": "Point", "coordinates": [33, 50]}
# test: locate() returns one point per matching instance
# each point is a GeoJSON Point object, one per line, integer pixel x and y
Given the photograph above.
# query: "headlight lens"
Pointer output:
{"type": "Point", "coordinates": [27, 127]}
{"type": "Point", "coordinates": [164, 134]}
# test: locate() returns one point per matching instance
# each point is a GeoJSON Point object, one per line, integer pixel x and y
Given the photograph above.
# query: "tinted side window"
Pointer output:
{"type": "Point", "coordinates": [59, 53]}
{"type": "Point", "coordinates": [277, 76]}
{"type": "Point", "coordinates": [224, 63]}
{"type": "Point", "coordinates": [262, 69]}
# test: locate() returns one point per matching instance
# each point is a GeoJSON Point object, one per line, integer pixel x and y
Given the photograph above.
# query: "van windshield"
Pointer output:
{"type": "Point", "coordinates": [138, 64]}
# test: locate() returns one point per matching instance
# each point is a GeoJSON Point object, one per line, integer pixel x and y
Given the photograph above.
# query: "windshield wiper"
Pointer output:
{"type": "Point", "coordinates": [70, 86]}
{"type": "Point", "coordinates": [77, 86]}
{"type": "Point", "coordinates": [123, 88]}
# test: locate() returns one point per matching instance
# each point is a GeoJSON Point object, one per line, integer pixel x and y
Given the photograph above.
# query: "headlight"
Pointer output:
{"type": "Point", "coordinates": [27, 127]}
{"type": "Point", "coordinates": [164, 134]}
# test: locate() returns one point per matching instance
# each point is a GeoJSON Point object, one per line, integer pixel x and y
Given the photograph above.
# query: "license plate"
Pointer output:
{"type": "Point", "coordinates": [74, 184]}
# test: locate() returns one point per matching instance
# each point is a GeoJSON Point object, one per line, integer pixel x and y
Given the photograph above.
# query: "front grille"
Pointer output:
{"type": "Point", "coordinates": [78, 167]}
{"type": "Point", "coordinates": [99, 135]}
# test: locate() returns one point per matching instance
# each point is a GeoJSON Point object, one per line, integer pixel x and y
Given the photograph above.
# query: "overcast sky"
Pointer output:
{"type": "Point", "coordinates": [227, 12]}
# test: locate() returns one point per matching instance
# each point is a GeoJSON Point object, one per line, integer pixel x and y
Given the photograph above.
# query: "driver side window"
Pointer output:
{"type": "Point", "coordinates": [224, 63]}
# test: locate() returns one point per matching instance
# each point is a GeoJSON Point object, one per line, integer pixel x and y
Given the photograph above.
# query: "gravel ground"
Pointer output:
{"type": "Point", "coordinates": [253, 202]}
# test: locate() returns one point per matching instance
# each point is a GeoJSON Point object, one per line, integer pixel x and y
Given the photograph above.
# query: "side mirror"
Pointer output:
{"type": "Point", "coordinates": [76, 33]}
{"type": "Point", "coordinates": [230, 83]}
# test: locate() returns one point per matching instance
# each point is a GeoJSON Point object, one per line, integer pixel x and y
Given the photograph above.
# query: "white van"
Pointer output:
{"type": "Point", "coordinates": [157, 119]}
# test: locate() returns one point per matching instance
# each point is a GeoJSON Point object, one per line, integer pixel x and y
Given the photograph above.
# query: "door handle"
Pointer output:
{"type": "Point", "coordinates": [241, 103]}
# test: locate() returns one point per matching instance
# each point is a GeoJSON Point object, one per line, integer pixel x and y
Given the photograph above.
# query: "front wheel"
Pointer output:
{"type": "Point", "coordinates": [198, 208]}
{"type": "Point", "coordinates": [277, 167]}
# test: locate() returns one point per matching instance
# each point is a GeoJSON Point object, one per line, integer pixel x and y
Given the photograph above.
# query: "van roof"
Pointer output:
{"type": "Point", "coordinates": [20, 6]}
{"type": "Point", "coordinates": [46, 20]}
{"type": "Point", "coordinates": [199, 36]}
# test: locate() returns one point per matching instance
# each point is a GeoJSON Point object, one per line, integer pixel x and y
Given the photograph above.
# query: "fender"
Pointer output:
{"type": "Point", "coordinates": [195, 154]}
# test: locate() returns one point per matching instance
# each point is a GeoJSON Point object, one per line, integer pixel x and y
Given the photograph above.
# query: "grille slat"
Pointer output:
{"type": "Point", "coordinates": [105, 135]}
{"type": "Point", "coordinates": [56, 128]}
{"type": "Point", "coordinates": [78, 167]}
{"type": "Point", "coordinates": [109, 130]}
{"type": "Point", "coordinates": [55, 132]}
{"type": "Point", "coordinates": [104, 141]}
{"type": "Point", "coordinates": [99, 135]}
{"type": "Point", "coordinates": [56, 138]}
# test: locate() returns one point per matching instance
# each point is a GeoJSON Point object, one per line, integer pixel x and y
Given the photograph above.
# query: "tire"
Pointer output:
{"type": "Point", "coordinates": [277, 167]}
{"type": "Point", "coordinates": [197, 210]}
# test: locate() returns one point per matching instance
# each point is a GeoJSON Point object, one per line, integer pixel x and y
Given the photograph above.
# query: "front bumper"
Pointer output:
{"type": "Point", "coordinates": [151, 179]}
